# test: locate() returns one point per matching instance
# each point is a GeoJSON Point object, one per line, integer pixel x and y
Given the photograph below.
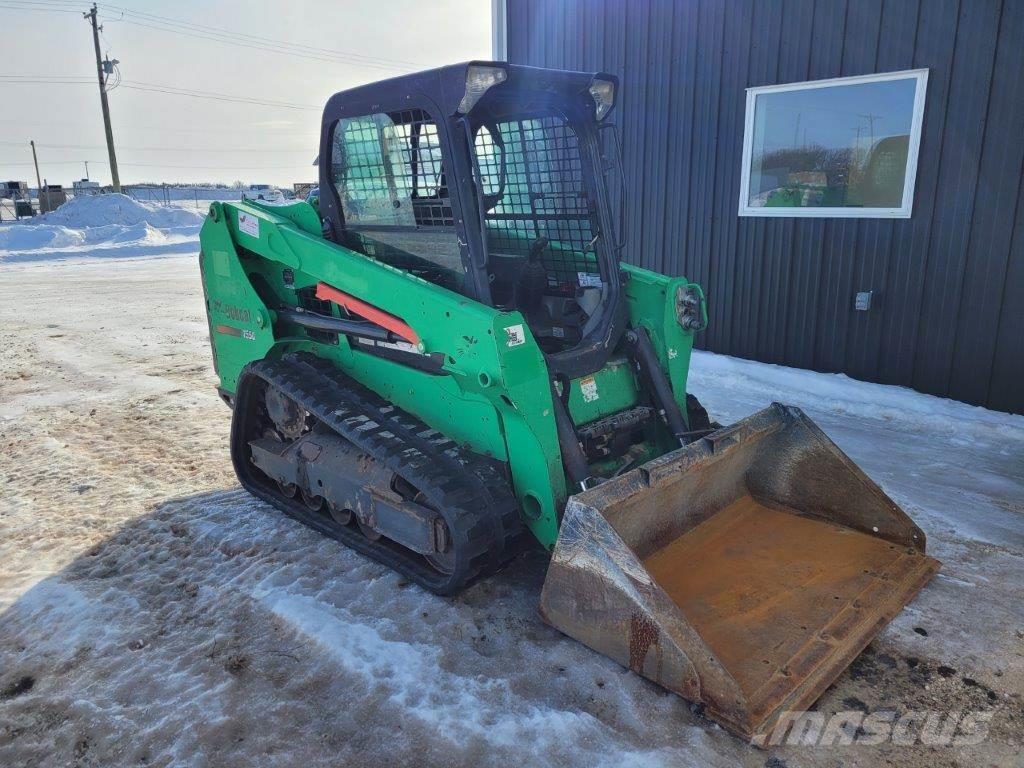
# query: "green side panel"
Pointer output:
{"type": "Point", "coordinates": [468, 417]}
{"type": "Point", "coordinates": [239, 322]}
{"type": "Point", "coordinates": [652, 300]}
{"type": "Point", "coordinates": [523, 398]}
{"type": "Point", "coordinates": [609, 390]}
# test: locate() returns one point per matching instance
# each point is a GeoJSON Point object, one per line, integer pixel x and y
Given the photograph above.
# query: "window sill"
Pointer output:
{"type": "Point", "coordinates": [825, 213]}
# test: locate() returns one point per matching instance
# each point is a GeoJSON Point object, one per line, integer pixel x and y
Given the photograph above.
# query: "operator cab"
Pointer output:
{"type": "Point", "coordinates": [488, 179]}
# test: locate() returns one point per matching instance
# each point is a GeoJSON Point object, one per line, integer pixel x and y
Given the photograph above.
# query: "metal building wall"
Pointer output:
{"type": "Point", "coordinates": [948, 310]}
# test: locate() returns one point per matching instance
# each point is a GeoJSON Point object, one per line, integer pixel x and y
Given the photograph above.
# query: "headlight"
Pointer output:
{"type": "Point", "coordinates": [691, 312]}
{"type": "Point", "coordinates": [603, 93]}
{"type": "Point", "coordinates": [478, 79]}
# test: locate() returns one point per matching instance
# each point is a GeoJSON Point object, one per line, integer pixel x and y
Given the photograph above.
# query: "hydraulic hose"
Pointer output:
{"type": "Point", "coordinates": [661, 388]}
{"type": "Point", "coordinates": [359, 328]}
{"type": "Point", "coordinates": [568, 441]}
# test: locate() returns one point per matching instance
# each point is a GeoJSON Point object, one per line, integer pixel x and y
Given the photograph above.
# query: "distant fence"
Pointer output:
{"type": "Point", "coordinates": [168, 195]}
{"type": "Point", "coordinates": [7, 209]}
{"type": "Point", "coordinates": [152, 194]}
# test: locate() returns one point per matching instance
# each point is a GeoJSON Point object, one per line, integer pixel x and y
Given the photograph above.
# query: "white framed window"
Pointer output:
{"type": "Point", "coordinates": [845, 147]}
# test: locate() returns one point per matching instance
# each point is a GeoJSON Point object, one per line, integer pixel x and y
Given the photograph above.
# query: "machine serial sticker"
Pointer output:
{"type": "Point", "coordinates": [588, 280]}
{"type": "Point", "coordinates": [230, 330]}
{"type": "Point", "coordinates": [249, 224]}
{"type": "Point", "coordinates": [588, 387]}
{"type": "Point", "coordinates": [514, 336]}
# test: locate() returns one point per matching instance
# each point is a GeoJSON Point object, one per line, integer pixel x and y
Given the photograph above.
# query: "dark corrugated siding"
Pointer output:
{"type": "Point", "coordinates": [948, 314]}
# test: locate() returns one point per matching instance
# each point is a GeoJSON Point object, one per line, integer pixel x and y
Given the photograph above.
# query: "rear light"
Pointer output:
{"type": "Point", "coordinates": [603, 93]}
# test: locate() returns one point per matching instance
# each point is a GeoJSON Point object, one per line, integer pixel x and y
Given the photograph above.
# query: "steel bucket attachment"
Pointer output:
{"type": "Point", "coordinates": [744, 571]}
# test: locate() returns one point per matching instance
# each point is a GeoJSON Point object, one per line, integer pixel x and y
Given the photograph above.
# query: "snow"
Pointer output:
{"type": "Point", "coordinates": [100, 210]}
{"type": "Point", "coordinates": [92, 226]}
{"type": "Point", "coordinates": [841, 395]}
{"type": "Point", "coordinates": [165, 617]}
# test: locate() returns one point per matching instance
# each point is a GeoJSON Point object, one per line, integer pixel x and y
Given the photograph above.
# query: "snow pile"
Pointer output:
{"type": "Point", "coordinates": [840, 395]}
{"type": "Point", "coordinates": [100, 210]}
{"type": "Point", "coordinates": [101, 225]}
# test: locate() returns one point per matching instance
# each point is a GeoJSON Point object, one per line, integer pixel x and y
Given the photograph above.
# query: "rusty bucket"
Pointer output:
{"type": "Point", "coordinates": [744, 571]}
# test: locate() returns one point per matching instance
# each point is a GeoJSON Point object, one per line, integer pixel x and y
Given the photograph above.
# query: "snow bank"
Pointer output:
{"type": "Point", "coordinates": [102, 210]}
{"type": "Point", "coordinates": [841, 395]}
{"type": "Point", "coordinates": [101, 225]}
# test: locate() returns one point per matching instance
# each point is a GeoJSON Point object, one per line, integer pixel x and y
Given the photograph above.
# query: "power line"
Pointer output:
{"type": "Point", "coordinates": [60, 3]}
{"type": "Point", "coordinates": [132, 85]}
{"type": "Point", "coordinates": [45, 79]}
{"type": "Point", "coordinates": [269, 49]}
{"type": "Point", "coordinates": [292, 167]}
{"type": "Point", "coordinates": [224, 36]}
{"type": "Point", "coordinates": [229, 36]}
{"type": "Point", "coordinates": [258, 38]}
{"type": "Point", "coordinates": [234, 131]}
{"type": "Point", "coordinates": [158, 149]}
{"type": "Point", "coordinates": [20, 7]}
{"type": "Point", "coordinates": [155, 88]}
{"type": "Point", "coordinates": [244, 40]}
{"type": "Point", "coordinates": [71, 3]}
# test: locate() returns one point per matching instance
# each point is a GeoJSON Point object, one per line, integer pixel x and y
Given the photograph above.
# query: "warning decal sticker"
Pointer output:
{"type": "Point", "coordinates": [249, 224]}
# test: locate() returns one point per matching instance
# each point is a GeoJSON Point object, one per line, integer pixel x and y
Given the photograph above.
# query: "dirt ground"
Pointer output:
{"type": "Point", "coordinates": [153, 614]}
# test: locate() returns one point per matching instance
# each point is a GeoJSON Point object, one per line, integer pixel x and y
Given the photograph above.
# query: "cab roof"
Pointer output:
{"type": "Point", "coordinates": [445, 87]}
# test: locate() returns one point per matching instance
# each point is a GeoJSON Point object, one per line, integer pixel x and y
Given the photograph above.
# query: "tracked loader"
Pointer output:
{"type": "Point", "coordinates": [453, 355]}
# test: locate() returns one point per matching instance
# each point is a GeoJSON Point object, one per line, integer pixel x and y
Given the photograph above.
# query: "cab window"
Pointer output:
{"type": "Point", "coordinates": [392, 188]}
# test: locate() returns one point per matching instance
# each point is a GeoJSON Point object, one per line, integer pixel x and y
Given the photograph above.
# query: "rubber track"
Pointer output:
{"type": "Point", "coordinates": [469, 491]}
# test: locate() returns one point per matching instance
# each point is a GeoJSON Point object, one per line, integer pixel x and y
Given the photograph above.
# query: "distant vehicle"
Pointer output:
{"type": "Point", "coordinates": [264, 192]}
{"type": "Point", "coordinates": [86, 187]}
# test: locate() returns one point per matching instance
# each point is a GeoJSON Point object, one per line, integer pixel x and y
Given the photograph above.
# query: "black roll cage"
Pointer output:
{"type": "Point", "coordinates": [439, 93]}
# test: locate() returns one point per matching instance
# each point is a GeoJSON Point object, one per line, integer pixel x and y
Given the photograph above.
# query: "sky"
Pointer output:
{"type": "Point", "coordinates": [838, 117]}
{"type": "Point", "coordinates": [166, 137]}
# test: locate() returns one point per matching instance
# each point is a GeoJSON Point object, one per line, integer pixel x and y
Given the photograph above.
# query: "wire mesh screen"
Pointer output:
{"type": "Point", "coordinates": [391, 182]}
{"type": "Point", "coordinates": [388, 171]}
{"type": "Point", "coordinates": [532, 182]}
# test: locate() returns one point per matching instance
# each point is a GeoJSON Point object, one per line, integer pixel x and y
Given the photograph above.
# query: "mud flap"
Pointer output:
{"type": "Point", "coordinates": [744, 571]}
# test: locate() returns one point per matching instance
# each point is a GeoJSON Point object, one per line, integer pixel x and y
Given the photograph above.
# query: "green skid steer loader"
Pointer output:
{"type": "Point", "coordinates": [450, 355]}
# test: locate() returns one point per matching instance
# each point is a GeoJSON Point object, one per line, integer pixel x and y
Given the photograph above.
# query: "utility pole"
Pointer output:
{"type": "Point", "coordinates": [39, 182]}
{"type": "Point", "coordinates": [115, 179]}
{"type": "Point", "coordinates": [871, 125]}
